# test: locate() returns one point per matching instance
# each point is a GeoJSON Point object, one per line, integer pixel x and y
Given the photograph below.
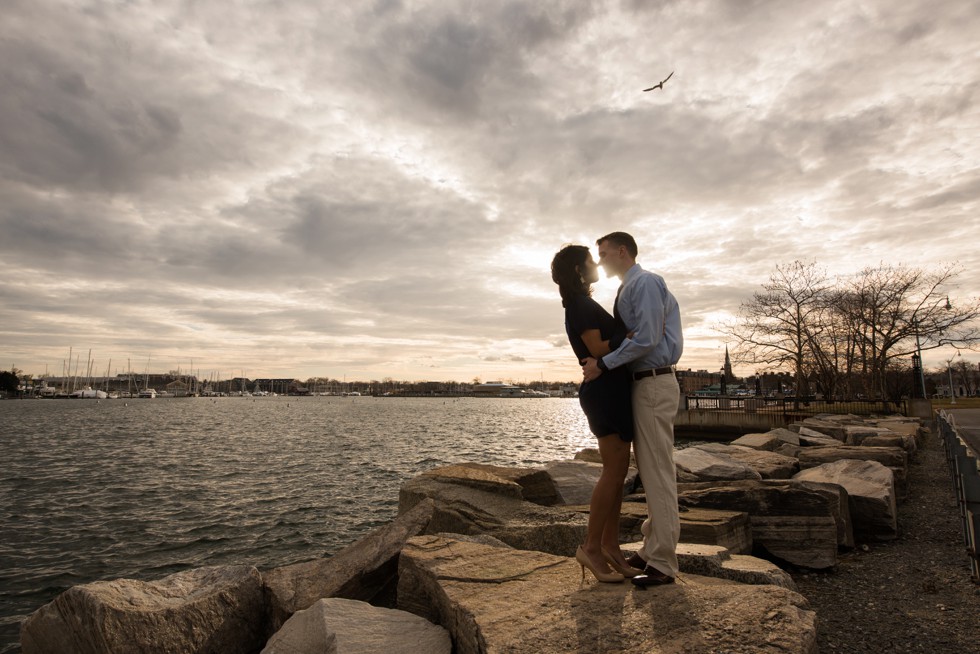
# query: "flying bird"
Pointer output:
{"type": "Point", "coordinates": [661, 85]}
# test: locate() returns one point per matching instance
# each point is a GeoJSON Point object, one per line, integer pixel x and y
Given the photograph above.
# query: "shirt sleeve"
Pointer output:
{"type": "Point", "coordinates": [582, 316]}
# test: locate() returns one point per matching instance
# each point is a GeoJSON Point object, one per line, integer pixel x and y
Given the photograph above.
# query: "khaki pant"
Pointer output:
{"type": "Point", "coordinates": [655, 401]}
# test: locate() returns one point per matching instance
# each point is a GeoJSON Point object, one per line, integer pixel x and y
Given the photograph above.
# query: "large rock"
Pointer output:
{"type": "Point", "coordinates": [856, 434]}
{"type": "Point", "coordinates": [214, 609]}
{"type": "Point", "coordinates": [576, 479]}
{"type": "Point", "coordinates": [715, 561]}
{"type": "Point", "coordinates": [728, 529]}
{"type": "Point", "coordinates": [306, 632]}
{"type": "Point", "coordinates": [813, 438]}
{"type": "Point", "coordinates": [536, 484]}
{"type": "Point", "coordinates": [871, 491]}
{"type": "Point", "coordinates": [473, 502]}
{"type": "Point", "coordinates": [892, 457]}
{"type": "Point", "coordinates": [785, 435]}
{"type": "Point", "coordinates": [364, 570]}
{"type": "Point", "coordinates": [902, 425]}
{"type": "Point", "coordinates": [769, 465]}
{"type": "Point", "coordinates": [708, 466]}
{"type": "Point", "coordinates": [351, 627]}
{"type": "Point", "coordinates": [891, 439]}
{"type": "Point", "coordinates": [833, 429]}
{"type": "Point", "coordinates": [790, 521]}
{"type": "Point", "coordinates": [498, 600]}
{"type": "Point", "coordinates": [767, 441]}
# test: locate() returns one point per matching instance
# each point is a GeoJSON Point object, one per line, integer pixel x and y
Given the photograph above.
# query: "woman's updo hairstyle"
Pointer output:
{"type": "Point", "coordinates": [565, 273]}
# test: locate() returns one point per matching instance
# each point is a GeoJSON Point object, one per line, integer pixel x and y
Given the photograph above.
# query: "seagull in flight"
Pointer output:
{"type": "Point", "coordinates": [661, 85]}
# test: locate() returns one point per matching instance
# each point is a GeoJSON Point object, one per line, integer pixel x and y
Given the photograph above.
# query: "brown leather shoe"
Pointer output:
{"type": "Point", "coordinates": [636, 561]}
{"type": "Point", "coordinates": [652, 577]}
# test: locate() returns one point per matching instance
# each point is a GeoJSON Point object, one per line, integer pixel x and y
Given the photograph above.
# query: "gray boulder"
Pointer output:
{"type": "Point", "coordinates": [812, 438]}
{"type": "Point", "coordinates": [785, 435]}
{"type": "Point", "coordinates": [715, 561]}
{"type": "Point", "coordinates": [893, 457]}
{"type": "Point", "coordinates": [352, 627]}
{"type": "Point", "coordinates": [728, 529]}
{"type": "Point", "coordinates": [473, 502]}
{"type": "Point", "coordinates": [831, 428]}
{"type": "Point", "coordinates": [306, 632]}
{"type": "Point", "coordinates": [709, 466]}
{"type": "Point", "coordinates": [769, 465]}
{"type": "Point", "coordinates": [498, 600]}
{"type": "Point", "coordinates": [213, 609]}
{"type": "Point", "coordinates": [790, 521]}
{"type": "Point", "coordinates": [536, 484]}
{"type": "Point", "coordinates": [576, 479]}
{"type": "Point", "coordinates": [766, 441]}
{"type": "Point", "coordinates": [364, 570]}
{"type": "Point", "coordinates": [871, 491]}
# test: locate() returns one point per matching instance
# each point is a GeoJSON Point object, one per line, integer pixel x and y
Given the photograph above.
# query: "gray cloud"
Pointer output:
{"type": "Point", "coordinates": [261, 186]}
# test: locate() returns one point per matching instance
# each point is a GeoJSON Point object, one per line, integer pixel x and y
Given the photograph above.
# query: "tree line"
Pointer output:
{"type": "Point", "coordinates": [852, 335]}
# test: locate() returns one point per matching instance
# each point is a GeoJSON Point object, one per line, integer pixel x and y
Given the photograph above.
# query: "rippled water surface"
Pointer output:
{"type": "Point", "coordinates": [143, 488]}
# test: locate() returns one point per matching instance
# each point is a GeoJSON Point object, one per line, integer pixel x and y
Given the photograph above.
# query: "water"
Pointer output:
{"type": "Point", "coordinates": [144, 488]}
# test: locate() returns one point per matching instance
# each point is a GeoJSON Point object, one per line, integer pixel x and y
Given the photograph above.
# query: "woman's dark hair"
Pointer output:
{"type": "Point", "coordinates": [563, 272]}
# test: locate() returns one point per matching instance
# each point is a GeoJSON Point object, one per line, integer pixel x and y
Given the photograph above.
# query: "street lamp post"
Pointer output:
{"type": "Point", "coordinates": [949, 371]}
{"type": "Point", "coordinates": [918, 352]}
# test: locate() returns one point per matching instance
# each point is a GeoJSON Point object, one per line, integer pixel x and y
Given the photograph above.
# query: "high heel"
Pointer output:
{"type": "Point", "coordinates": [627, 570]}
{"type": "Point", "coordinates": [608, 577]}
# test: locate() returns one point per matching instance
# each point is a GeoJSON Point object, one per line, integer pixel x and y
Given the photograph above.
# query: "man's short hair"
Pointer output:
{"type": "Point", "coordinates": [621, 238]}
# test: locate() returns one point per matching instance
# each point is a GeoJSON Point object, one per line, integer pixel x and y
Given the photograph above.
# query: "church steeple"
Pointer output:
{"type": "Point", "coordinates": [729, 375]}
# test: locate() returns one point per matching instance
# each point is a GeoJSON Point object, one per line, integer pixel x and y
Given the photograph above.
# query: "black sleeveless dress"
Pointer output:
{"type": "Point", "coordinates": [606, 401]}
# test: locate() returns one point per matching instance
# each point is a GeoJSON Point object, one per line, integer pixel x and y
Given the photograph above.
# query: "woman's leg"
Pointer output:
{"type": "Point", "coordinates": [607, 499]}
{"type": "Point", "coordinates": [616, 460]}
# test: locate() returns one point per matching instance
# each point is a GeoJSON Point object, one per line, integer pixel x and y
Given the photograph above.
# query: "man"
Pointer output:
{"type": "Point", "coordinates": [651, 313]}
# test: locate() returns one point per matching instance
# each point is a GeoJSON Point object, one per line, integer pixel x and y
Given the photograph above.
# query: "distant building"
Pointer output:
{"type": "Point", "coordinates": [692, 381]}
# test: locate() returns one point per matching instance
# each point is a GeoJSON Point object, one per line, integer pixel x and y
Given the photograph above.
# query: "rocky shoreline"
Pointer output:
{"type": "Point", "coordinates": [913, 594]}
{"type": "Point", "coordinates": [479, 559]}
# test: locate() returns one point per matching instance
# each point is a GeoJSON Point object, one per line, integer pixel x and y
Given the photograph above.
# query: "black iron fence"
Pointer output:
{"type": "Point", "coordinates": [965, 473]}
{"type": "Point", "coordinates": [794, 408]}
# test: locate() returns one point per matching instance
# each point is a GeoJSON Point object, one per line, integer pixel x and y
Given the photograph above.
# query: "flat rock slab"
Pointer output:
{"type": "Point", "coordinates": [508, 601]}
{"type": "Point", "coordinates": [213, 609]}
{"type": "Point", "coordinates": [769, 465]}
{"type": "Point", "coordinates": [712, 466]}
{"type": "Point", "coordinates": [351, 627]}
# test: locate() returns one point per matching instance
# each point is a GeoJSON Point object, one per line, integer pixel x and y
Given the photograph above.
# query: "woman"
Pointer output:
{"type": "Point", "coordinates": [607, 405]}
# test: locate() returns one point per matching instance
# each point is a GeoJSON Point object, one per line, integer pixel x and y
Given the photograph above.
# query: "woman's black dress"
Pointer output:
{"type": "Point", "coordinates": [606, 401]}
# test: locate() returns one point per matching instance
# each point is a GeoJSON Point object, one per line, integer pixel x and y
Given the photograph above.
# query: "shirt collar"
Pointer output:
{"type": "Point", "coordinates": [632, 272]}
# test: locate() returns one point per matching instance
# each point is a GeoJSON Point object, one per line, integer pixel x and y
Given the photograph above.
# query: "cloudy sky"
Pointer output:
{"type": "Point", "coordinates": [375, 189]}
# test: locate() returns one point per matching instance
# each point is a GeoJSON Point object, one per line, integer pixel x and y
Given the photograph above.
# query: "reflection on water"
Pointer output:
{"type": "Point", "coordinates": [143, 488]}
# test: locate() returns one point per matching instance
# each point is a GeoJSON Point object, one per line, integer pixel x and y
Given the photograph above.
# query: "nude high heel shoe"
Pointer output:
{"type": "Point", "coordinates": [627, 571]}
{"type": "Point", "coordinates": [607, 577]}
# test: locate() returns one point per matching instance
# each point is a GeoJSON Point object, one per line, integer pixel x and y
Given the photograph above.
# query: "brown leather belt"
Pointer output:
{"type": "Point", "coordinates": [640, 374]}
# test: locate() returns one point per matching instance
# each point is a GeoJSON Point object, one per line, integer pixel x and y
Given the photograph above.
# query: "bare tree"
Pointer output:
{"type": "Point", "coordinates": [849, 336]}
{"type": "Point", "coordinates": [893, 307]}
{"type": "Point", "coordinates": [778, 326]}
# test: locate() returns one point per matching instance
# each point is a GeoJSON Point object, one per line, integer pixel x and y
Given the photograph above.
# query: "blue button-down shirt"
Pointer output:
{"type": "Point", "coordinates": [649, 310]}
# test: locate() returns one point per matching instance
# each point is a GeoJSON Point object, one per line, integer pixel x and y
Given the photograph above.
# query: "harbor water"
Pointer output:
{"type": "Point", "coordinates": [96, 490]}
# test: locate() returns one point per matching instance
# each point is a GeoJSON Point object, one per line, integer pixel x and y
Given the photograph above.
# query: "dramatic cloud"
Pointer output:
{"type": "Point", "coordinates": [376, 190]}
